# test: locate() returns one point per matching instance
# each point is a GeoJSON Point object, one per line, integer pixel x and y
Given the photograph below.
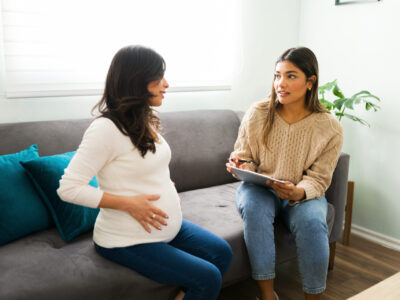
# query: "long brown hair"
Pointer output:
{"type": "Point", "coordinates": [126, 98]}
{"type": "Point", "coordinates": [306, 61]}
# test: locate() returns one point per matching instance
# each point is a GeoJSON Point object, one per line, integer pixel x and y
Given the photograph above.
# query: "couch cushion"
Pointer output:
{"type": "Point", "coordinates": [202, 146]}
{"type": "Point", "coordinates": [214, 209]}
{"type": "Point", "coordinates": [44, 267]}
{"type": "Point", "coordinates": [21, 209]}
{"type": "Point", "coordinates": [71, 219]}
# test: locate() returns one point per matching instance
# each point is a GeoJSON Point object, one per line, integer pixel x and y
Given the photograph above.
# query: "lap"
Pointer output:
{"type": "Point", "coordinates": [196, 240]}
{"type": "Point", "coordinates": [204, 244]}
{"type": "Point", "coordinates": [257, 200]}
{"type": "Point", "coordinates": [159, 261]}
{"type": "Point", "coordinates": [310, 210]}
{"type": "Point", "coordinates": [189, 254]}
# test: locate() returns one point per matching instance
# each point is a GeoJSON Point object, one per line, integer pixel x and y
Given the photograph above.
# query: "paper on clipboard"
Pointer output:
{"type": "Point", "coordinates": [253, 177]}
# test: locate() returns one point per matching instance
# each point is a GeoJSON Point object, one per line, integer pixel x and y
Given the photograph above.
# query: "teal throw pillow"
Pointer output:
{"type": "Point", "coordinates": [21, 210]}
{"type": "Point", "coordinates": [71, 219]}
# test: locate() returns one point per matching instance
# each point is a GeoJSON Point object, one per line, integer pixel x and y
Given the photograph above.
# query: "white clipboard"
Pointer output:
{"type": "Point", "coordinates": [253, 177]}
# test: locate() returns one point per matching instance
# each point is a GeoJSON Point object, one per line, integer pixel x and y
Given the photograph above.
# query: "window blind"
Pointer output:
{"type": "Point", "coordinates": [64, 48]}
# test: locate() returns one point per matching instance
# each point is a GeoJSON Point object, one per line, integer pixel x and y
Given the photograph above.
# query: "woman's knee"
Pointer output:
{"type": "Point", "coordinates": [206, 282]}
{"type": "Point", "coordinates": [312, 225]}
{"type": "Point", "coordinates": [253, 202]}
{"type": "Point", "coordinates": [226, 255]}
{"type": "Point", "coordinates": [220, 254]}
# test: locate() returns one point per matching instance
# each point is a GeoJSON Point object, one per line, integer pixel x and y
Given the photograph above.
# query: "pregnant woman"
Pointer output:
{"type": "Point", "coordinates": [140, 222]}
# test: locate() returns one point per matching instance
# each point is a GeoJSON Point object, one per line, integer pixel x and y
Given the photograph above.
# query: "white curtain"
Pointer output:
{"type": "Point", "coordinates": [64, 47]}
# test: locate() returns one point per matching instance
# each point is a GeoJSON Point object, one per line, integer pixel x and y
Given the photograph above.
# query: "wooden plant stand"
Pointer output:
{"type": "Point", "coordinates": [348, 213]}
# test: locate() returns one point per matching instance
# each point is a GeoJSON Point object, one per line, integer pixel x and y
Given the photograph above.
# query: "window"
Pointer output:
{"type": "Point", "coordinates": [63, 48]}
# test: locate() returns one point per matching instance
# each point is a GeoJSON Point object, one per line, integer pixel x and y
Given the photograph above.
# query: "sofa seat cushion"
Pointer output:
{"type": "Point", "coordinates": [214, 209]}
{"type": "Point", "coordinates": [42, 266]}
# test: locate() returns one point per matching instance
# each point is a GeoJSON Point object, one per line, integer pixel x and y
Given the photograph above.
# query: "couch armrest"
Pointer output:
{"type": "Point", "coordinates": [337, 194]}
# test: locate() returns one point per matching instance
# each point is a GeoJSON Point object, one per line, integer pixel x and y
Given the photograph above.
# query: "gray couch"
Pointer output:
{"type": "Point", "coordinates": [43, 266]}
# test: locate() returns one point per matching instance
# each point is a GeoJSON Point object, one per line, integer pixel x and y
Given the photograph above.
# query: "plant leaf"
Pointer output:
{"type": "Point", "coordinates": [327, 86]}
{"type": "Point", "coordinates": [339, 103]}
{"type": "Point", "coordinates": [357, 119]}
{"type": "Point", "coordinates": [365, 94]}
{"type": "Point", "coordinates": [337, 92]}
{"type": "Point", "coordinates": [339, 115]}
{"type": "Point", "coordinates": [349, 103]}
{"type": "Point", "coordinates": [369, 105]}
{"type": "Point", "coordinates": [328, 105]}
{"type": "Point", "coordinates": [363, 97]}
{"type": "Point", "coordinates": [373, 105]}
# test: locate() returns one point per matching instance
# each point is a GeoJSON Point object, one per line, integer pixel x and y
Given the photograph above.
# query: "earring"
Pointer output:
{"type": "Point", "coordinates": [310, 89]}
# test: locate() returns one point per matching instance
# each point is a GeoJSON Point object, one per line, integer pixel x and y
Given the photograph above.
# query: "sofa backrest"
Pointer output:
{"type": "Point", "coordinates": [52, 137]}
{"type": "Point", "coordinates": [200, 141]}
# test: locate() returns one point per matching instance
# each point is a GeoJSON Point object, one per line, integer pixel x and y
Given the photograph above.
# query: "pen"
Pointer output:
{"type": "Point", "coordinates": [244, 161]}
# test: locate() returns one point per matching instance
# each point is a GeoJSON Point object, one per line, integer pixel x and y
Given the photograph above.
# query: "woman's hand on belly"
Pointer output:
{"type": "Point", "coordinates": [139, 207]}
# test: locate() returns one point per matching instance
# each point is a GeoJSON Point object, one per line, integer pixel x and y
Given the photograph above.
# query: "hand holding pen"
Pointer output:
{"type": "Point", "coordinates": [234, 161]}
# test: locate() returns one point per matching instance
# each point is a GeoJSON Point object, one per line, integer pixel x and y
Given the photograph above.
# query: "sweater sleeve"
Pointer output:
{"type": "Point", "coordinates": [98, 146]}
{"type": "Point", "coordinates": [242, 147]}
{"type": "Point", "coordinates": [318, 177]}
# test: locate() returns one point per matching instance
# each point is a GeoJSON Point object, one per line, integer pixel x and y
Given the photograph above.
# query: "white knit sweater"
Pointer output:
{"type": "Point", "coordinates": [120, 169]}
{"type": "Point", "coordinates": [305, 152]}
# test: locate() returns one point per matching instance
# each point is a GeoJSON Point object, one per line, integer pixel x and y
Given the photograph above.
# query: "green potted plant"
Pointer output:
{"type": "Point", "coordinates": [338, 106]}
{"type": "Point", "coordinates": [341, 103]}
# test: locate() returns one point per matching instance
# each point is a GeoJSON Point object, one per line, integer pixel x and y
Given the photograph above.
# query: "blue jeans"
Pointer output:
{"type": "Point", "coordinates": [194, 260]}
{"type": "Point", "coordinates": [258, 207]}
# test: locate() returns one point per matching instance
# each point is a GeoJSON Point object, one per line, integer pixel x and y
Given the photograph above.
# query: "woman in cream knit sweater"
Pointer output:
{"type": "Point", "coordinates": [293, 138]}
{"type": "Point", "coordinates": [140, 222]}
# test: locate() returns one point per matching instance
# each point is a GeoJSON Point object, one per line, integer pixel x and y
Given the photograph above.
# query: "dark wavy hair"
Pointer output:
{"type": "Point", "coordinates": [306, 61]}
{"type": "Point", "coordinates": [126, 98]}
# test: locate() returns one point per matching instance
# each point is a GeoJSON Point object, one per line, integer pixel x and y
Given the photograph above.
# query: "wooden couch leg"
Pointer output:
{"type": "Point", "coordinates": [332, 251]}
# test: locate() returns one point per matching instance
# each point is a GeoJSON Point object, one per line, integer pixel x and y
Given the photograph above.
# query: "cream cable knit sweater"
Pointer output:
{"type": "Point", "coordinates": [120, 169]}
{"type": "Point", "coordinates": [305, 152]}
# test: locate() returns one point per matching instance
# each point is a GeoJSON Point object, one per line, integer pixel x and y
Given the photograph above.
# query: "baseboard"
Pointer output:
{"type": "Point", "coordinates": [376, 237]}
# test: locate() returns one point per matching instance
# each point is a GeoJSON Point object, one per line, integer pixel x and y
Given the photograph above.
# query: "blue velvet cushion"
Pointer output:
{"type": "Point", "coordinates": [21, 209]}
{"type": "Point", "coordinates": [71, 219]}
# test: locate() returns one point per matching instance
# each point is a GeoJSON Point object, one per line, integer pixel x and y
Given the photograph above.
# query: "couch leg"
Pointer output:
{"type": "Point", "coordinates": [332, 251]}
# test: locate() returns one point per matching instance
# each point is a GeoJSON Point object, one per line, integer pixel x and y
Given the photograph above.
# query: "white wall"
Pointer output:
{"type": "Point", "coordinates": [359, 45]}
{"type": "Point", "coordinates": [260, 41]}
